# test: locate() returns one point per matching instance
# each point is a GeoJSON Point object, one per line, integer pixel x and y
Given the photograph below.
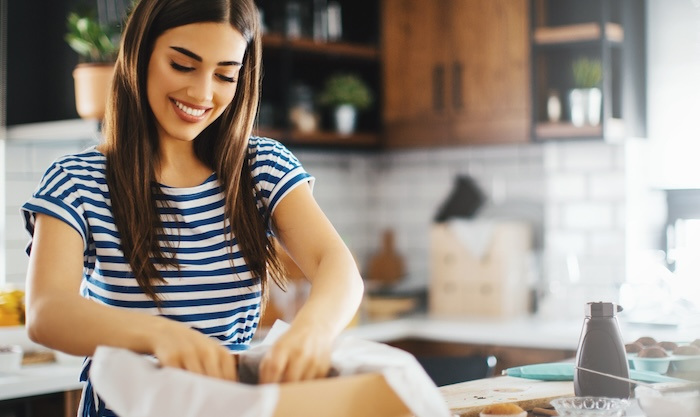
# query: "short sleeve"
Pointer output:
{"type": "Point", "coordinates": [58, 196]}
{"type": "Point", "coordinates": [275, 171]}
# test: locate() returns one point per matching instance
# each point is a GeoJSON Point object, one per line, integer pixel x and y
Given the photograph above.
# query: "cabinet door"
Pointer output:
{"type": "Point", "coordinates": [489, 71]}
{"type": "Point", "coordinates": [414, 73]}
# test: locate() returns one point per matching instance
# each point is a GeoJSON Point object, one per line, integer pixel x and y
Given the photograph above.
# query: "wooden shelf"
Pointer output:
{"type": "Point", "coordinates": [345, 49]}
{"type": "Point", "coordinates": [581, 32]}
{"type": "Point", "coordinates": [322, 138]}
{"type": "Point", "coordinates": [614, 128]}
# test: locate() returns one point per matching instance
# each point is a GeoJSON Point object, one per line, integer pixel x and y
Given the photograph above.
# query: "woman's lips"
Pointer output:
{"type": "Point", "coordinates": [189, 113]}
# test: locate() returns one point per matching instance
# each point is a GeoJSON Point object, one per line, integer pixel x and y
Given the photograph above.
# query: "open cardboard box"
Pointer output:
{"type": "Point", "coordinates": [370, 380]}
{"type": "Point", "coordinates": [366, 395]}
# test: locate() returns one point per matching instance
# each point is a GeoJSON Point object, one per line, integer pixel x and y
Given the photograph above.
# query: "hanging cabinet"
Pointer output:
{"type": "Point", "coordinates": [455, 72]}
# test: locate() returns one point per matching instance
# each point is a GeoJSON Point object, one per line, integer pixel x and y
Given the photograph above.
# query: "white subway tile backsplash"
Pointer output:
{"type": "Point", "coordinates": [14, 226]}
{"type": "Point", "coordinates": [18, 191]}
{"type": "Point", "coordinates": [588, 216]}
{"type": "Point", "coordinates": [587, 156]}
{"type": "Point", "coordinates": [566, 187]}
{"type": "Point", "coordinates": [566, 242]}
{"type": "Point", "coordinates": [17, 258]}
{"type": "Point", "coordinates": [607, 186]}
{"type": "Point", "coordinates": [578, 187]}
{"type": "Point", "coordinates": [18, 159]}
{"type": "Point", "coordinates": [609, 244]}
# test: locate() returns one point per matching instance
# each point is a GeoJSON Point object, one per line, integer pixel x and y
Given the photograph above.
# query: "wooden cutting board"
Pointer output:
{"type": "Point", "coordinates": [467, 399]}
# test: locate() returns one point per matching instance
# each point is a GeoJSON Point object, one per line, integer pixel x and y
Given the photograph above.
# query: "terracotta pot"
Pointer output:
{"type": "Point", "coordinates": [92, 82]}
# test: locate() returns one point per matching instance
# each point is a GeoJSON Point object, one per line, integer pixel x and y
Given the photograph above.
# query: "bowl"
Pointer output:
{"type": "Point", "coordinates": [658, 365]}
{"type": "Point", "coordinates": [662, 402]}
{"type": "Point", "coordinates": [10, 358]}
{"type": "Point", "coordinates": [589, 406]}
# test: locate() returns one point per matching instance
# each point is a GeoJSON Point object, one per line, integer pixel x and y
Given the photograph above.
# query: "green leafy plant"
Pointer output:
{"type": "Point", "coordinates": [346, 89]}
{"type": "Point", "coordinates": [587, 72]}
{"type": "Point", "coordinates": [93, 41]}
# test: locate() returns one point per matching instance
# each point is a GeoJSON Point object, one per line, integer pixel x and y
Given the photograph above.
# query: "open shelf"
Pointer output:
{"type": "Point", "coordinates": [349, 50]}
{"type": "Point", "coordinates": [322, 138]}
{"type": "Point", "coordinates": [614, 128]}
{"type": "Point", "coordinates": [581, 32]}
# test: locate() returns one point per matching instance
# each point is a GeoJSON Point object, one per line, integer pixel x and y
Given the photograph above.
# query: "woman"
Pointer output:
{"type": "Point", "coordinates": [159, 240]}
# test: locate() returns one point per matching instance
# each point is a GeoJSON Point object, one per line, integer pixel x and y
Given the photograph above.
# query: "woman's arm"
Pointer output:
{"type": "Point", "coordinates": [336, 290]}
{"type": "Point", "coordinates": [60, 318]}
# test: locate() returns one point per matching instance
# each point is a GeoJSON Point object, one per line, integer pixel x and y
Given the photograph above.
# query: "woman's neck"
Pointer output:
{"type": "Point", "coordinates": [179, 166]}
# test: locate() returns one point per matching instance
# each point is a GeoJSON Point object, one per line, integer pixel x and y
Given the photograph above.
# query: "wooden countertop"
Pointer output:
{"type": "Point", "coordinates": [467, 399]}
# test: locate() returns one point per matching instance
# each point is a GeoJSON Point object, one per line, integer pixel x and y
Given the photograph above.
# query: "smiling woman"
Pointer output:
{"type": "Point", "coordinates": [173, 218]}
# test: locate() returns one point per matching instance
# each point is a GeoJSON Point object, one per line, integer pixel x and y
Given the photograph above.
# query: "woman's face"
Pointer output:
{"type": "Point", "coordinates": [192, 77]}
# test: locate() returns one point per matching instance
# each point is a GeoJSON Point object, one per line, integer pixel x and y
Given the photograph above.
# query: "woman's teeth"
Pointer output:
{"type": "Point", "coordinates": [189, 110]}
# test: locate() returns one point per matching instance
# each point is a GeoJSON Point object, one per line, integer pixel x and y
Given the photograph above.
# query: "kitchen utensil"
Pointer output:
{"type": "Point", "coordinates": [601, 349]}
{"type": "Point", "coordinates": [386, 266]}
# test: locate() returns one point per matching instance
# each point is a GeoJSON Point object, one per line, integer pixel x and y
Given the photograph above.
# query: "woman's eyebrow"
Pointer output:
{"type": "Point", "coordinates": [198, 58]}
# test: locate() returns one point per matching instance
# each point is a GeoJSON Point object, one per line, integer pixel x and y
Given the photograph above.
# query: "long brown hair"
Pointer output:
{"type": "Point", "coordinates": [132, 140]}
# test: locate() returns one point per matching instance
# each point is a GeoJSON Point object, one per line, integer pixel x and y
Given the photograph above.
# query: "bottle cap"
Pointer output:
{"type": "Point", "coordinates": [602, 309]}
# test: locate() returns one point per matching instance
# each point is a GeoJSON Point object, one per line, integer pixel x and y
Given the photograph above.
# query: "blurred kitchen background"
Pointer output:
{"type": "Point", "coordinates": [468, 90]}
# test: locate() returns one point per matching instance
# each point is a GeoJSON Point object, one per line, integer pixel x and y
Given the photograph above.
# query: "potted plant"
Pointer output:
{"type": "Point", "coordinates": [97, 46]}
{"type": "Point", "coordinates": [585, 99]}
{"type": "Point", "coordinates": [346, 94]}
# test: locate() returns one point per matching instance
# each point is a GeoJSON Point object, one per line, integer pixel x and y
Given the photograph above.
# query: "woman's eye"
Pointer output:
{"type": "Point", "coordinates": [181, 68]}
{"type": "Point", "coordinates": [226, 79]}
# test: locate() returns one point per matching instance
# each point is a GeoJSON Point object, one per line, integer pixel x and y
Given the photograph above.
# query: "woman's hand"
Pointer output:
{"type": "Point", "coordinates": [302, 353]}
{"type": "Point", "coordinates": [179, 346]}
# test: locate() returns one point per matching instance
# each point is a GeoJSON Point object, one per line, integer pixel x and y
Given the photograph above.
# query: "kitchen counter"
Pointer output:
{"type": "Point", "coordinates": [524, 332]}
{"type": "Point", "coordinates": [40, 379]}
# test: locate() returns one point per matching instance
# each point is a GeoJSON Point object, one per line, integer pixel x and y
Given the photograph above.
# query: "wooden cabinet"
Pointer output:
{"type": "Point", "coordinates": [609, 32]}
{"type": "Point", "coordinates": [455, 72]}
{"type": "Point", "coordinates": [53, 404]}
{"type": "Point", "coordinates": [506, 356]}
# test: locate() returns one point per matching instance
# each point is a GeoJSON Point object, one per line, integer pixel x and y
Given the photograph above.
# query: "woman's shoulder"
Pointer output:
{"type": "Point", "coordinates": [257, 144]}
{"type": "Point", "coordinates": [89, 161]}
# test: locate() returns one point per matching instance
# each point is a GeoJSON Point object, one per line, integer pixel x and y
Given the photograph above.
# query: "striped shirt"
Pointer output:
{"type": "Point", "coordinates": [212, 289]}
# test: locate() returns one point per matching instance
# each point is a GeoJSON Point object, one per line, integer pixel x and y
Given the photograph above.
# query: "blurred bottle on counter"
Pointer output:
{"type": "Point", "coordinates": [601, 348]}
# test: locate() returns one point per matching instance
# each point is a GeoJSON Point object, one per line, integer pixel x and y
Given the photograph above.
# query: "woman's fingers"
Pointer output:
{"type": "Point", "coordinates": [273, 367]}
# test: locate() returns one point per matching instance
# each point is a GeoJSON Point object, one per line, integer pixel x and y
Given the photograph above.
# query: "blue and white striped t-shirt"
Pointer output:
{"type": "Point", "coordinates": [213, 290]}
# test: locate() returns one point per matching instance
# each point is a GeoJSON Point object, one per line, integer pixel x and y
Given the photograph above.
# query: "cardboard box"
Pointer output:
{"type": "Point", "coordinates": [493, 283]}
{"type": "Point", "coordinates": [373, 380]}
{"type": "Point", "coordinates": [364, 395]}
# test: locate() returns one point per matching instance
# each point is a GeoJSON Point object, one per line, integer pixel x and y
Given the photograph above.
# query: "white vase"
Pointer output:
{"type": "Point", "coordinates": [553, 107]}
{"type": "Point", "coordinates": [345, 117]}
{"type": "Point", "coordinates": [585, 105]}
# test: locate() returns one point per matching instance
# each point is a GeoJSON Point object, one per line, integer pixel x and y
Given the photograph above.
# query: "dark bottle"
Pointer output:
{"type": "Point", "coordinates": [601, 349]}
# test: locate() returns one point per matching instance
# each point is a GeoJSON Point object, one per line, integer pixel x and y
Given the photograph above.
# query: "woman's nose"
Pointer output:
{"type": "Point", "coordinates": [201, 89]}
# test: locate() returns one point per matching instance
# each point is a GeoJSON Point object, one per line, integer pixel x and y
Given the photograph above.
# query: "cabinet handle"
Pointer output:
{"type": "Point", "coordinates": [457, 101]}
{"type": "Point", "coordinates": [438, 87]}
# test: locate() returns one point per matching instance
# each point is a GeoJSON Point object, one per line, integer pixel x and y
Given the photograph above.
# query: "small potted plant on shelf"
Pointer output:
{"type": "Point", "coordinates": [585, 99]}
{"type": "Point", "coordinates": [346, 94]}
{"type": "Point", "coordinates": [97, 46]}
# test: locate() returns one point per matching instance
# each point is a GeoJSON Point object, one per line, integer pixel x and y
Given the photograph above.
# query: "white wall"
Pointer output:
{"type": "Point", "coordinates": [673, 91]}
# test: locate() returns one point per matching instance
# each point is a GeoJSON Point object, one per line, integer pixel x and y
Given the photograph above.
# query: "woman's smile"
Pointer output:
{"type": "Point", "coordinates": [188, 112]}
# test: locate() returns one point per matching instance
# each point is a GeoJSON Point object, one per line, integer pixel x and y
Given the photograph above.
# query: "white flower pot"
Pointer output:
{"type": "Point", "coordinates": [585, 106]}
{"type": "Point", "coordinates": [345, 119]}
